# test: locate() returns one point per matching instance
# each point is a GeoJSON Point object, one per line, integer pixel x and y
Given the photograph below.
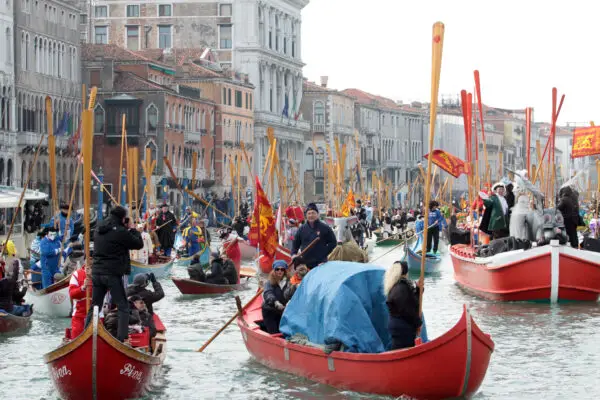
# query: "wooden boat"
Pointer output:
{"type": "Point", "coordinates": [393, 239]}
{"type": "Point", "coordinates": [248, 252]}
{"type": "Point", "coordinates": [10, 323]}
{"type": "Point", "coordinates": [413, 258]}
{"type": "Point", "coordinates": [246, 272]}
{"type": "Point", "coordinates": [186, 261]}
{"type": "Point", "coordinates": [546, 273]}
{"type": "Point", "coordinates": [159, 270]}
{"type": "Point", "coordinates": [95, 365]}
{"type": "Point", "coordinates": [53, 301]}
{"type": "Point", "coordinates": [189, 286]}
{"type": "Point", "coordinates": [461, 356]}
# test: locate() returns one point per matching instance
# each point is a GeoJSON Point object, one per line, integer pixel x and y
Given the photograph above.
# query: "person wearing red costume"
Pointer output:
{"type": "Point", "coordinates": [295, 212]}
{"type": "Point", "coordinates": [77, 291]}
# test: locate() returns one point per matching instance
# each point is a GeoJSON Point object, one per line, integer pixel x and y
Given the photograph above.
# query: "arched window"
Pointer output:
{"type": "Point", "coordinates": [99, 119]}
{"type": "Point", "coordinates": [319, 113]}
{"type": "Point", "coordinates": [152, 118]}
{"type": "Point", "coordinates": [319, 159]}
{"type": "Point", "coordinates": [309, 160]}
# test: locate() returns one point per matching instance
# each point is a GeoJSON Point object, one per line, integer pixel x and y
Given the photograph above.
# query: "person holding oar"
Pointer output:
{"type": "Point", "coordinates": [312, 229]}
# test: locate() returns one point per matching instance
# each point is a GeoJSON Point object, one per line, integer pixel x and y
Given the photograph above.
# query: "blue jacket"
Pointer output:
{"type": "Point", "coordinates": [49, 250]}
{"type": "Point", "coordinates": [319, 252]}
{"type": "Point", "coordinates": [436, 216]}
{"type": "Point", "coordinates": [62, 223]}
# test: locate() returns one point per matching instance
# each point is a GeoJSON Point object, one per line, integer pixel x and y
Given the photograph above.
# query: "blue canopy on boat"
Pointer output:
{"type": "Point", "coordinates": [340, 302]}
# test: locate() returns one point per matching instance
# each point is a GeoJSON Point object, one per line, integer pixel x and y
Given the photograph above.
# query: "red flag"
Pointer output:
{"type": "Point", "coordinates": [262, 228]}
{"type": "Point", "coordinates": [449, 163]}
{"type": "Point", "coordinates": [586, 142]}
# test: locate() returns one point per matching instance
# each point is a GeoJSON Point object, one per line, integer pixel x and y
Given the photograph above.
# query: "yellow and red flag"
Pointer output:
{"type": "Point", "coordinates": [262, 228]}
{"type": "Point", "coordinates": [586, 142]}
{"type": "Point", "coordinates": [349, 203]}
{"type": "Point", "coordinates": [449, 163]}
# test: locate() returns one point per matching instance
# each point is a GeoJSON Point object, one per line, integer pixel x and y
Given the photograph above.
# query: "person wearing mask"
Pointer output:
{"type": "Point", "coordinates": [139, 288]}
{"type": "Point", "coordinates": [113, 239]}
{"type": "Point", "coordinates": [78, 285]}
{"type": "Point", "coordinates": [166, 225]}
{"type": "Point", "coordinates": [497, 224]}
{"type": "Point", "coordinates": [312, 229]}
{"type": "Point", "coordinates": [60, 222]}
{"type": "Point", "coordinates": [402, 299]}
{"type": "Point", "coordinates": [274, 300]}
{"type": "Point", "coordinates": [436, 223]}
{"type": "Point", "coordinates": [11, 296]}
{"type": "Point", "coordinates": [49, 252]}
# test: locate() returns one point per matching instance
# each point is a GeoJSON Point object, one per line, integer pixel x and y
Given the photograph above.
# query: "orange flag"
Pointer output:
{"type": "Point", "coordinates": [449, 163]}
{"type": "Point", "coordinates": [348, 204]}
{"type": "Point", "coordinates": [262, 228]}
{"type": "Point", "coordinates": [586, 142]}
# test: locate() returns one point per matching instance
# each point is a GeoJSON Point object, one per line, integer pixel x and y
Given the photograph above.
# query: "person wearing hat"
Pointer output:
{"type": "Point", "coordinates": [497, 209]}
{"type": "Point", "coordinates": [113, 239]}
{"type": "Point", "coordinates": [274, 300]}
{"type": "Point", "coordinates": [139, 288]}
{"type": "Point", "coordinates": [312, 229]}
{"type": "Point", "coordinates": [193, 238]}
{"type": "Point", "coordinates": [62, 222]}
{"type": "Point", "coordinates": [166, 225]}
{"type": "Point", "coordinates": [49, 252]}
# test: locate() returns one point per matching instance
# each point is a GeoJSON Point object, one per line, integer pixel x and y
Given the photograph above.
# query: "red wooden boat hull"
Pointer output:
{"type": "Point", "coordinates": [546, 273]}
{"type": "Point", "coordinates": [452, 365]}
{"type": "Point", "coordinates": [95, 365]}
{"type": "Point", "coordinates": [10, 323]}
{"type": "Point", "coordinates": [188, 286]}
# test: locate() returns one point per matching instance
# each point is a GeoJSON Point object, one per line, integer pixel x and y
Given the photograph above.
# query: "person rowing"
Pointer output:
{"type": "Point", "coordinates": [312, 229]}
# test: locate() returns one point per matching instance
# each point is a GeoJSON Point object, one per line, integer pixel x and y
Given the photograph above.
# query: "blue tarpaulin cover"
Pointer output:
{"type": "Point", "coordinates": [340, 302]}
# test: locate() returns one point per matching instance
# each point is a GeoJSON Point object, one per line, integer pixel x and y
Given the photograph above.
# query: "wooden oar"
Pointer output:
{"type": "Point", "coordinates": [258, 293]}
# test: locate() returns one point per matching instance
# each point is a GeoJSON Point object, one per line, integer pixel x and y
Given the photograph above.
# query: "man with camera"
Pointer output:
{"type": "Point", "coordinates": [113, 239]}
{"type": "Point", "coordinates": [138, 288]}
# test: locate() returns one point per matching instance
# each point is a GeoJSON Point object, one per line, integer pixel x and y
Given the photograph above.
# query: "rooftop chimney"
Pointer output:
{"type": "Point", "coordinates": [324, 80]}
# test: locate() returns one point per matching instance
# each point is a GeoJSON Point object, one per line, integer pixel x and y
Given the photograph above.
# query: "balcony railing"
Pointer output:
{"type": "Point", "coordinates": [318, 127]}
{"type": "Point", "coordinates": [392, 163]}
{"type": "Point", "coordinates": [343, 129]}
{"type": "Point", "coordinates": [191, 137]}
{"type": "Point", "coordinates": [32, 139]}
{"type": "Point", "coordinates": [180, 172]}
{"type": "Point", "coordinates": [269, 118]}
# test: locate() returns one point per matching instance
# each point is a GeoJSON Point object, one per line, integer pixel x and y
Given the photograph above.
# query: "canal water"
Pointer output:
{"type": "Point", "coordinates": [541, 350]}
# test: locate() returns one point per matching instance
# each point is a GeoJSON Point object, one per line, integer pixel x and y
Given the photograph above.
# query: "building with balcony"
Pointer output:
{"type": "Point", "coordinates": [8, 134]}
{"type": "Point", "coordinates": [161, 115]}
{"type": "Point", "coordinates": [46, 64]}
{"type": "Point", "coordinates": [332, 117]}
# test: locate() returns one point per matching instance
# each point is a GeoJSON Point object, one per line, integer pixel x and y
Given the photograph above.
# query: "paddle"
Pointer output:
{"type": "Point", "coordinates": [240, 311]}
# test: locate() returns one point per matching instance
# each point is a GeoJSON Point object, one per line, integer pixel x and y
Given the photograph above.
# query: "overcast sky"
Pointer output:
{"type": "Point", "coordinates": [521, 49]}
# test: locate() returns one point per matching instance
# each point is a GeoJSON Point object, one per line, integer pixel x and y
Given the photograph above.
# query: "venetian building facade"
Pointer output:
{"type": "Point", "coordinates": [8, 136]}
{"type": "Point", "coordinates": [47, 63]}
{"type": "Point", "coordinates": [331, 115]}
{"type": "Point", "coordinates": [267, 46]}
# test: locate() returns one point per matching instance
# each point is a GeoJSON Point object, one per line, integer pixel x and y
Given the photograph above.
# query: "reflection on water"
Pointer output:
{"type": "Point", "coordinates": [541, 349]}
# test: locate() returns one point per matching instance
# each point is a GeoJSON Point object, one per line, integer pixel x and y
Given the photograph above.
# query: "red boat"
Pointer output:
{"type": "Point", "coordinates": [189, 286]}
{"type": "Point", "coordinates": [280, 254]}
{"type": "Point", "coordinates": [11, 323]}
{"type": "Point", "coordinates": [95, 365]}
{"type": "Point", "coordinates": [452, 365]}
{"type": "Point", "coordinates": [552, 272]}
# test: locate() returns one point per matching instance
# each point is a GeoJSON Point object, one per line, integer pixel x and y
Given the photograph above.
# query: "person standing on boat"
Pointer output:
{"type": "Point", "coordinates": [143, 254]}
{"type": "Point", "coordinates": [274, 300]}
{"type": "Point", "coordinates": [113, 239]}
{"type": "Point", "coordinates": [369, 213]}
{"type": "Point", "coordinates": [187, 218]}
{"type": "Point", "coordinates": [436, 223]}
{"type": "Point", "coordinates": [78, 285]}
{"type": "Point", "coordinates": [193, 237]}
{"type": "Point", "coordinates": [62, 224]}
{"type": "Point", "coordinates": [49, 252]}
{"type": "Point", "coordinates": [166, 228]}
{"type": "Point", "coordinates": [497, 205]}
{"type": "Point", "coordinates": [312, 229]}
{"type": "Point", "coordinates": [402, 299]}
{"type": "Point", "coordinates": [568, 205]}
{"type": "Point", "coordinates": [11, 296]}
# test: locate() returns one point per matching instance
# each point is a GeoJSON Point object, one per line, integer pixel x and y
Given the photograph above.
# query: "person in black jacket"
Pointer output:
{"type": "Point", "coordinates": [195, 270]}
{"type": "Point", "coordinates": [113, 239]}
{"type": "Point", "coordinates": [138, 287]}
{"type": "Point", "coordinates": [568, 206]}
{"type": "Point", "coordinates": [216, 276]}
{"type": "Point", "coordinates": [11, 296]}
{"type": "Point", "coordinates": [274, 299]}
{"type": "Point", "coordinates": [312, 229]}
{"type": "Point", "coordinates": [229, 271]}
{"type": "Point", "coordinates": [403, 305]}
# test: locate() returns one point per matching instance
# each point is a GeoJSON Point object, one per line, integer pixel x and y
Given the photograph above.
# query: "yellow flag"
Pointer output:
{"type": "Point", "coordinates": [349, 203]}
